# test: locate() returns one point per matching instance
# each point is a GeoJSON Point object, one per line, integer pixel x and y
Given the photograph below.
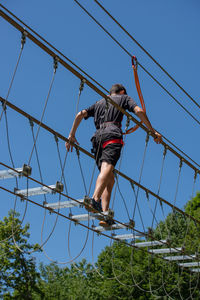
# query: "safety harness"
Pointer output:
{"type": "Point", "coordinates": [137, 83]}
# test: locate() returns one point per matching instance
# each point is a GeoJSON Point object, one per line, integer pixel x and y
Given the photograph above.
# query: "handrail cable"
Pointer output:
{"type": "Point", "coordinates": [141, 47]}
{"type": "Point", "coordinates": [144, 69]}
{"type": "Point", "coordinates": [91, 85]}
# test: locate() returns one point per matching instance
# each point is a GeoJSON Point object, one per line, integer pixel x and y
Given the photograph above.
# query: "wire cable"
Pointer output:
{"type": "Point", "coordinates": [144, 69]}
{"type": "Point", "coordinates": [153, 59]}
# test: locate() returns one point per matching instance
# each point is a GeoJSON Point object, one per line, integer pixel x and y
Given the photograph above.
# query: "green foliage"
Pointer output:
{"type": "Point", "coordinates": [18, 275]}
{"type": "Point", "coordinates": [121, 271]}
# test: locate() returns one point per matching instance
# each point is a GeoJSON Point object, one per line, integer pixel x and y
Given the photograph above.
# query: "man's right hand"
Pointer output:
{"type": "Point", "coordinates": [158, 138]}
{"type": "Point", "coordinates": [68, 145]}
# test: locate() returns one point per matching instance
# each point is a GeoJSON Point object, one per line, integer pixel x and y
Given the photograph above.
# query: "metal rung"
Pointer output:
{"type": "Point", "coordinates": [149, 244]}
{"type": "Point", "coordinates": [37, 191]}
{"type": "Point", "coordinates": [83, 217]}
{"type": "Point", "coordinates": [166, 250]}
{"type": "Point", "coordinates": [192, 264]}
{"type": "Point", "coordinates": [113, 227]}
{"type": "Point", "coordinates": [195, 270]}
{"type": "Point", "coordinates": [10, 173]}
{"type": "Point", "coordinates": [65, 204]}
{"type": "Point", "coordinates": [17, 172]}
{"type": "Point", "coordinates": [179, 257]}
{"type": "Point", "coordinates": [127, 236]}
{"type": "Point", "coordinates": [90, 216]}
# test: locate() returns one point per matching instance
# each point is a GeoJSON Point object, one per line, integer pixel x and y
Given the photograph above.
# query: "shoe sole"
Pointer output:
{"type": "Point", "coordinates": [104, 224]}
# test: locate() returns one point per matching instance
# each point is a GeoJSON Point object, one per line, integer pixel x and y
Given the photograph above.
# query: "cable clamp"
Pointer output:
{"type": "Point", "coordinates": [59, 187]}
{"type": "Point", "coordinates": [147, 137]}
{"type": "Point", "coordinates": [31, 122]}
{"type": "Point", "coordinates": [83, 81]}
{"type": "Point", "coordinates": [195, 174]}
{"type": "Point", "coordinates": [181, 162]}
{"type": "Point", "coordinates": [127, 123]}
{"type": "Point", "coordinates": [150, 231]}
{"type": "Point", "coordinates": [77, 152]}
{"type": "Point", "coordinates": [55, 63]}
{"type": "Point", "coordinates": [26, 170]}
{"type": "Point", "coordinates": [23, 38]}
{"type": "Point", "coordinates": [56, 138]}
{"type": "Point", "coordinates": [165, 150]}
{"type": "Point", "coordinates": [131, 223]}
{"type": "Point", "coordinates": [4, 105]}
{"type": "Point", "coordinates": [134, 62]}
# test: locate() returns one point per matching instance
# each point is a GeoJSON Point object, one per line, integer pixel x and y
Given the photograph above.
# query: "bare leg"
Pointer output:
{"type": "Point", "coordinates": [105, 197]}
{"type": "Point", "coordinates": [105, 182]}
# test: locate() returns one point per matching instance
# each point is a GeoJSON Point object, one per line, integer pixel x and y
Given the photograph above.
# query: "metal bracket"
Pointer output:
{"type": "Point", "coordinates": [59, 187]}
{"type": "Point", "coordinates": [27, 170]}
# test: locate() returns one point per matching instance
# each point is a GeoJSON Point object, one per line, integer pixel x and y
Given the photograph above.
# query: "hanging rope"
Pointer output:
{"type": "Point", "coordinates": [55, 66]}
{"type": "Point", "coordinates": [137, 83]}
{"type": "Point", "coordinates": [23, 41]}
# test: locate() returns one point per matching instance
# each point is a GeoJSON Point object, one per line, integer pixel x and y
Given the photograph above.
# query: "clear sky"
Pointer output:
{"type": "Point", "coordinates": [169, 30]}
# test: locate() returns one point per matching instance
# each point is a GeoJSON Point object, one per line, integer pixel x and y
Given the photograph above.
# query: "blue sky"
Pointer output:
{"type": "Point", "coordinates": [169, 31]}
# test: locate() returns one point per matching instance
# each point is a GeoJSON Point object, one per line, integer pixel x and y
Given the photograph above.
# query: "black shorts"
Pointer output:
{"type": "Point", "coordinates": [110, 154]}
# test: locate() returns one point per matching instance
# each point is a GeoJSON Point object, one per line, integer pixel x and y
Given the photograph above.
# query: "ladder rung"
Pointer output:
{"type": "Point", "coordinates": [83, 217]}
{"type": "Point", "coordinates": [179, 257]}
{"type": "Point", "coordinates": [112, 227]}
{"type": "Point", "coordinates": [65, 204]}
{"type": "Point", "coordinates": [191, 264]}
{"type": "Point", "coordinates": [4, 174]}
{"type": "Point", "coordinates": [127, 236]}
{"type": "Point", "coordinates": [36, 191]}
{"type": "Point", "coordinates": [195, 270]}
{"type": "Point", "coordinates": [90, 216]}
{"type": "Point", "coordinates": [149, 243]}
{"type": "Point", "coordinates": [166, 250]}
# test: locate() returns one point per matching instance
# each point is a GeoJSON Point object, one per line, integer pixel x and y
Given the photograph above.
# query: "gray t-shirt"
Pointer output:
{"type": "Point", "coordinates": [100, 115]}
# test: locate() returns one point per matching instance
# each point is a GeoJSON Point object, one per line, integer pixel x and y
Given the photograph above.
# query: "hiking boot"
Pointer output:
{"type": "Point", "coordinates": [106, 223]}
{"type": "Point", "coordinates": [92, 205]}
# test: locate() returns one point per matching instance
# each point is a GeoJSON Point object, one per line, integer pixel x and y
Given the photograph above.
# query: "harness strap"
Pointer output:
{"type": "Point", "coordinates": [106, 124]}
{"type": "Point", "coordinates": [114, 141]}
{"type": "Point", "coordinates": [137, 83]}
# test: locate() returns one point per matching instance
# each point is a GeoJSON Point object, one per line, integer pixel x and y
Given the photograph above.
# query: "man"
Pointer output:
{"type": "Point", "coordinates": [107, 142]}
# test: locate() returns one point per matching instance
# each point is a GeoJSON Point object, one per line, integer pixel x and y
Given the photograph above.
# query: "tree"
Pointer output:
{"type": "Point", "coordinates": [18, 275]}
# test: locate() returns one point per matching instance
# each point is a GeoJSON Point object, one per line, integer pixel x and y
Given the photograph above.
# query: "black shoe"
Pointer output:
{"type": "Point", "coordinates": [94, 206]}
{"type": "Point", "coordinates": [107, 223]}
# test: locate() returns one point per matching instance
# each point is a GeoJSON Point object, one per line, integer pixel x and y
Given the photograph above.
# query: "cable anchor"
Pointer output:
{"type": "Point", "coordinates": [23, 38]}
{"type": "Point", "coordinates": [134, 62]}
{"type": "Point", "coordinates": [55, 63]}
{"type": "Point", "coordinates": [4, 105]}
{"type": "Point", "coordinates": [77, 152]}
{"type": "Point", "coordinates": [26, 171]}
{"type": "Point", "coordinates": [165, 151]}
{"type": "Point", "coordinates": [147, 137]}
{"type": "Point", "coordinates": [81, 87]}
{"type": "Point", "coordinates": [56, 138]}
{"type": "Point", "coordinates": [59, 187]}
{"type": "Point", "coordinates": [195, 174]}
{"type": "Point", "coordinates": [127, 123]}
{"type": "Point", "coordinates": [31, 122]}
{"type": "Point", "coordinates": [181, 163]}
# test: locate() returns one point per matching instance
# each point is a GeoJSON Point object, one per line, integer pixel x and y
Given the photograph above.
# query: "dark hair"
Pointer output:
{"type": "Point", "coordinates": [116, 88]}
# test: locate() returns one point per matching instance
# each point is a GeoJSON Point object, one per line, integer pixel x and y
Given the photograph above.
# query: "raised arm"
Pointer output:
{"type": "Point", "coordinates": [79, 117]}
{"type": "Point", "coordinates": [143, 117]}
